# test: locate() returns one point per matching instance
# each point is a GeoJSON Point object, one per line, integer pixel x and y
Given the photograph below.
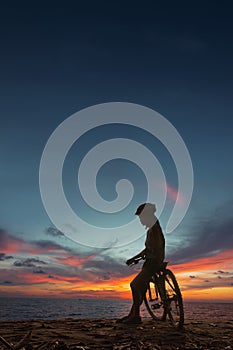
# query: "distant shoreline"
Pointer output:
{"type": "Point", "coordinates": [225, 301]}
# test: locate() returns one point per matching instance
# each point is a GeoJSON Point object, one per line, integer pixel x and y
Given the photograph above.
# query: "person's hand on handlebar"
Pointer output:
{"type": "Point", "coordinates": [130, 261]}
{"type": "Point", "coordinates": [136, 258]}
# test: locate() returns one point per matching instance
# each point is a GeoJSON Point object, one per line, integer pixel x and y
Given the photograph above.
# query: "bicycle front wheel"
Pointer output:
{"type": "Point", "coordinates": [173, 300]}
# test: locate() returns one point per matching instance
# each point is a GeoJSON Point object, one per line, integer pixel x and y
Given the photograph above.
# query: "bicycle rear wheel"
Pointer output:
{"type": "Point", "coordinates": [153, 302]}
{"type": "Point", "coordinates": [173, 300]}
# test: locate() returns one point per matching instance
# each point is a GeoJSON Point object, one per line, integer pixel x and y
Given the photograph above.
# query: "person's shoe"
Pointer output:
{"type": "Point", "coordinates": [132, 320]}
{"type": "Point", "coordinates": [123, 319]}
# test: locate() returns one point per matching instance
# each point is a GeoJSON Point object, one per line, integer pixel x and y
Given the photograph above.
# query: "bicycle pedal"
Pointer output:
{"type": "Point", "coordinates": [155, 306]}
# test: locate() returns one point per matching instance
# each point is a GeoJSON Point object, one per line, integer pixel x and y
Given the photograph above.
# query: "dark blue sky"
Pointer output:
{"type": "Point", "coordinates": [57, 58]}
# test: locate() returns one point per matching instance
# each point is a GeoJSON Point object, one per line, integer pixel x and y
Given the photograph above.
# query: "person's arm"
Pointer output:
{"type": "Point", "coordinates": [142, 255]}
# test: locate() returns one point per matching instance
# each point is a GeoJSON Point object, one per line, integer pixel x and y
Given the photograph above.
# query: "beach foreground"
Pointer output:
{"type": "Point", "coordinates": [106, 334]}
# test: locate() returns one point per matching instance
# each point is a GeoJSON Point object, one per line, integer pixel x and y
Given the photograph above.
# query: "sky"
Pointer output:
{"type": "Point", "coordinates": [59, 58]}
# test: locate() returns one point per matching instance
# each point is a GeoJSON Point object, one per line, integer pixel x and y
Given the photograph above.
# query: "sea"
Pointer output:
{"type": "Point", "coordinates": [47, 308]}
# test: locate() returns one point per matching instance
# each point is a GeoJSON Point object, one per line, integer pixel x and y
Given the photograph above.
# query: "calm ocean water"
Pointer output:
{"type": "Point", "coordinates": [38, 308]}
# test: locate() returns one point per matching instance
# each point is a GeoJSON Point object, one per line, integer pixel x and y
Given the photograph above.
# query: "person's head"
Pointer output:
{"type": "Point", "coordinates": [146, 214]}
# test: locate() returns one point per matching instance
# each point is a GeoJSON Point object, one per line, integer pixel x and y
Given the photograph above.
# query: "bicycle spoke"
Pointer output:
{"type": "Point", "coordinates": [154, 303]}
{"type": "Point", "coordinates": [174, 300]}
{"type": "Point", "coordinates": [163, 298]}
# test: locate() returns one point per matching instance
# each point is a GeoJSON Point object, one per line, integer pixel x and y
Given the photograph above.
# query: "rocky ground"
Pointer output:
{"type": "Point", "coordinates": [106, 334]}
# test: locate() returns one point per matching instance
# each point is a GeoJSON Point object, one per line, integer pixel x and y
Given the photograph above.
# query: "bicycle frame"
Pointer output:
{"type": "Point", "coordinates": [163, 297]}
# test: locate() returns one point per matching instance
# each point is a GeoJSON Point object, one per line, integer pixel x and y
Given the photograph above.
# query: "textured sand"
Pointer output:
{"type": "Point", "coordinates": [106, 334]}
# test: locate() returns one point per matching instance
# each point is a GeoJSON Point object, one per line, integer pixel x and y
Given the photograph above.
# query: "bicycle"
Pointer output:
{"type": "Point", "coordinates": [163, 297]}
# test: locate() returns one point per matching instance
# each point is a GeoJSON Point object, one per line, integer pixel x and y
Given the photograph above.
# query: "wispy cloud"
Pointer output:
{"type": "Point", "coordinates": [29, 262]}
{"type": "Point", "coordinates": [12, 244]}
{"type": "Point", "coordinates": [39, 270]}
{"type": "Point", "coordinates": [3, 257]}
{"type": "Point", "coordinates": [201, 273]}
{"type": "Point", "coordinates": [54, 232]}
{"type": "Point", "coordinates": [49, 246]}
{"type": "Point", "coordinates": [107, 267]}
{"type": "Point", "coordinates": [207, 238]}
{"type": "Point", "coordinates": [174, 194]}
{"type": "Point", "coordinates": [203, 262]}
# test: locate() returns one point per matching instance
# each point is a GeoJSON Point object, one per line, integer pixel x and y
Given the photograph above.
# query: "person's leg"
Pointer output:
{"type": "Point", "coordinates": [138, 288]}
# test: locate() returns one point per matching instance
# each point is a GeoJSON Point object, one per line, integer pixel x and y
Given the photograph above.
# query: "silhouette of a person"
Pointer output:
{"type": "Point", "coordinates": [153, 254]}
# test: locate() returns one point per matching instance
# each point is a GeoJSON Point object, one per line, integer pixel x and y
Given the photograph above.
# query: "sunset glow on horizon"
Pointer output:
{"type": "Point", "coordinates": [57, 273]}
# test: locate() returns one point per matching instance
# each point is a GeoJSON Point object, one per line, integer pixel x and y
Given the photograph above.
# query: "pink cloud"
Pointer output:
{"type": "Point", "coordinates": [12, 244]}
{"type": "Point", "coordinates": [174, 194]}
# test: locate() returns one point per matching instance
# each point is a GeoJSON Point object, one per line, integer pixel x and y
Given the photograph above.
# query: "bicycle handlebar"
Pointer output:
{"type": "Point", "coordinates": [136, 261]}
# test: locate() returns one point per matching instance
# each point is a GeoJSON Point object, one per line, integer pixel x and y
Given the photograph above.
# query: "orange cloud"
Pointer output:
{"type": "Point", "coordinates": [10, 244]}
{"type": "Point", "coordinates": [222, 259]}
{"type": "Point", "coordinates": [72, 260]}
{"type": "Point", "coordinates": [69, 275]}
{"type": "Point", "coordinates": [207, 278]}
